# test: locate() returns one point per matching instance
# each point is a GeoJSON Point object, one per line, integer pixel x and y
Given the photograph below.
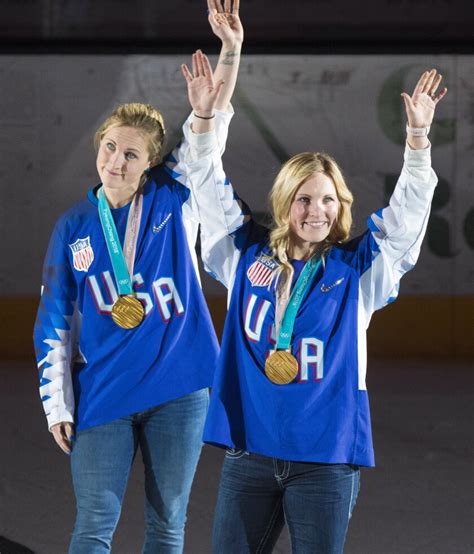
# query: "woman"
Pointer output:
{"type": "Point", "coordinates": [289, 400]}
{"type": "Point", "coordinates": [124, 340]}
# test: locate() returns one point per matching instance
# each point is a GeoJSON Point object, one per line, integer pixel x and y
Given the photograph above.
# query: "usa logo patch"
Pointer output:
{"type": "Point", "coordinates": [82, 254]}
{"type": "Point", "coordinates": [261, 271]}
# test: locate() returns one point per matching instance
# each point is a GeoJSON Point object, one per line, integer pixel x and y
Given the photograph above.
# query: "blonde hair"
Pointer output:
{"type": "Point", "coordinates": [292, 175]}
{"type": "Point", "coordinates": [143, 117]}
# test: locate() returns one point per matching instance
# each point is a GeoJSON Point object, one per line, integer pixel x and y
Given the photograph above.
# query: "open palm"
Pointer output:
{"type": "Point", "coordinates": [202, 91]}
{"type": "Point", "coordinates": [225, 21]}
{"type": "Point", "coordinates": [420, 106]}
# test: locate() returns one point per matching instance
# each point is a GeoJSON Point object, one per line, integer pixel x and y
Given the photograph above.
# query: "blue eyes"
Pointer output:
{"type": "Point", "coordinates": [128, 155]}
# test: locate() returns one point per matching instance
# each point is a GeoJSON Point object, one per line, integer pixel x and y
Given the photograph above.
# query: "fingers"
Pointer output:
{"type": "Point", "coordinates": [194, 63]}
{"type": "Point", "coordinates": [429, 82]}
{"type": "Point", "coordinates": [228, 7]}
{"type": "Point", "coordinates": [61, 440]}
{"type": "Point", "coordinates": [69, 431]}
{"type": "Point", "coordinates": [431, 86]}
{"type": "Point", "coordinates": [435, 85]}
{"type": "Point", "coordinates": [201, 67]}
{"type": "Point", "coordinates": [217, 6]}
{"type": "Point", "coordinates": [186, 73]}
{"type": "Point", "coordinates": [437, 96]}
{"type": "Point", "coordinates": [199, 64]}
{"type": "Point", "coordinates": [440, 95]}
{"type": "Point", "coordinates": [219, 19]}
{"type": "Point", "coordinates": [408, 101]}
{"type": "Point", "coordinates": [63, 434]}
{"type": "Point", "coordinates": [206, 65]}
{"type": "Point", "coordinates": [421, 83]}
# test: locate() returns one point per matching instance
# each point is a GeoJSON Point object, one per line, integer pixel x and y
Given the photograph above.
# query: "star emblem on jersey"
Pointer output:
{"type": "Point", "coordinates": [82, 254]}
{"type": "Point", "coordinates": [261, 271]}
{"type": "Point", "coordinates": [327, 288]}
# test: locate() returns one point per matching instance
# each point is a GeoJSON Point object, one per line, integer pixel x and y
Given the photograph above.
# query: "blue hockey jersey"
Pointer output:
{"type": "Point", "coordinates": [323, 415]}
{"type": "Point", "coordinates": [91, 370]}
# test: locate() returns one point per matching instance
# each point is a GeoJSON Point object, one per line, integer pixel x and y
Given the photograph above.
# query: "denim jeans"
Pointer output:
{"type": "Point", "coordinates": [257, 495]}
{"type": "Point", "coordinates": [169, 437]}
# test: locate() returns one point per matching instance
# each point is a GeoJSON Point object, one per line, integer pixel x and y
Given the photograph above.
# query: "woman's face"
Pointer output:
{"type": "Point", "coordinates": [313, 212]}
{"type": "Point", "coordinates": [122, 158]}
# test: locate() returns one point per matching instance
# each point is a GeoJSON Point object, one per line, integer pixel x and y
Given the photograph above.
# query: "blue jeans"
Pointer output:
{"type": "Point", "coordinates": [169, 437]}
{"type": "Point", "coordinates": [257, 495]}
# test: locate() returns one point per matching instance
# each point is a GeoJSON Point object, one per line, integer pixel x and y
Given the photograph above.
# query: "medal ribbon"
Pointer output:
{"type": "Point", "coordinates": [122, 260]}
{"type": "Point", "coordinates": [299, 291]}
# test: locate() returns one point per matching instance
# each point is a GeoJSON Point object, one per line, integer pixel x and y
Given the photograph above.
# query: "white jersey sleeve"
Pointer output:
{"type": "Point", "coordinates": [398, 231]}
{"type": "Point", "coordinates": [179, 164]}
{"type": "Point", "coordinates": [55, 333]}
{"type": "Point", "coordinates": [396, 234]}
{"type": "Point", "coordinates": [221, 213]}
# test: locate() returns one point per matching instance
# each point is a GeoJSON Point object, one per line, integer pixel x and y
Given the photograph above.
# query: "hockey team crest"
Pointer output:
{"type": "Point", "coordinates": [260, 272]}
{"type": "Point", "coordinates": [82, 254]}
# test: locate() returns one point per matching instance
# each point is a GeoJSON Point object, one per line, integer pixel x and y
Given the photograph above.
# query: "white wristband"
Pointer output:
{"type": "Point", "coordinates": [418, 131]}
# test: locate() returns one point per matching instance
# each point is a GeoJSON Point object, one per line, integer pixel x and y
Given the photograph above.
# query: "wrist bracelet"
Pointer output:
{"type": "Point", "coordinates": [202, 117]}
{"type": "Point", "coordinates": [418, 131]}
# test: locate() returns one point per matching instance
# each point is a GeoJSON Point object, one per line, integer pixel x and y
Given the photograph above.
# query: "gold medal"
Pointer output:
{"type": "Point", "coordinates": [128, 312]}
{"type": "Point", "coordinates": [281, 367]}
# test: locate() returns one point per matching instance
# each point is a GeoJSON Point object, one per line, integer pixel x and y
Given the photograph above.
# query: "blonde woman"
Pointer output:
{"type": "Point", "coordinates": [289, 400]}
{"type": "Point", "coordinates": [124, 341]}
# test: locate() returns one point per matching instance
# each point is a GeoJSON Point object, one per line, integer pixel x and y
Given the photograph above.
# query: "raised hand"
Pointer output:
{"type": "Point", "coordinates": [420, 106]}
{"type": "Point", "coordinates": [202, 90]}
{"type": "Point", "coordinates": [225, 21]}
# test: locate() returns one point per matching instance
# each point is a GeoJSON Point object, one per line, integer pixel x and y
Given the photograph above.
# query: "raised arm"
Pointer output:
{"type": "Point", "coordinates": [225, 23]}
{"type": "Point", "coordinates": [221, 214]}
{"type": "Point", "coordinates": [396, 232]}
{"type": "Point", "coordinates": [203, 93]}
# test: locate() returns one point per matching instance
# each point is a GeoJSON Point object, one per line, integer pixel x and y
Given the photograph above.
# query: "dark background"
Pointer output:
{"type": "Point", "coordinates": [270, 25]}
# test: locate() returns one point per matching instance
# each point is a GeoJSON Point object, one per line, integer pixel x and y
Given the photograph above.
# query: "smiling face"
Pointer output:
{"type": "Point", "coordinates": [313, 213]}
{"type": "Point", "coordinates": [122, 158]}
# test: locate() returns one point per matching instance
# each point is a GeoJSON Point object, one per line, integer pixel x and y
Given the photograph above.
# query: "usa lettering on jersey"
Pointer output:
{"type": "Point", "coordinates": [164, 289]}
{"type": "Point", "coordinates": [310, 350]}
{"type": "Point", "coordinates": [82, 254]}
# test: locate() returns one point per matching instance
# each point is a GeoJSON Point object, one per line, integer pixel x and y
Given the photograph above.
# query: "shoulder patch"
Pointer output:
{"type": "Point", "coordinates": [261, 271]}
{"type": "Point", "coordinates": [82, 254]}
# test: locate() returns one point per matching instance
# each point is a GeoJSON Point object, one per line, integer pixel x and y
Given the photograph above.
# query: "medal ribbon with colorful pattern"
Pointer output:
{"type": "Point", "coordinates": [296, 298]}
{"type": "Point", "coordinates": [281, 366]}
{"type": "Point", "coordinates": [127, 311]}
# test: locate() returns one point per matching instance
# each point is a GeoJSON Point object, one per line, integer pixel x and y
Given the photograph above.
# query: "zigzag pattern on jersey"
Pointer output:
{"type": "Point", "coordinates": [55, 317]}
{"type": "Point", "coordinates": [377, 229]}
